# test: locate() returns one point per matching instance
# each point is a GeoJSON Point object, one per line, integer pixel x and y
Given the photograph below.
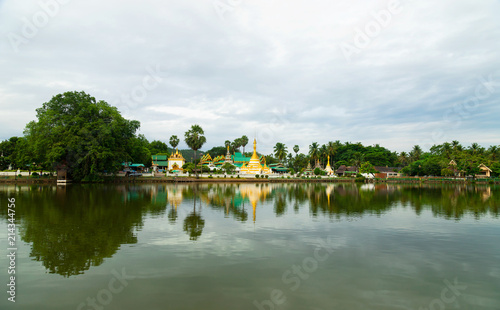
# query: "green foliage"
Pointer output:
{"type": "Point", "coordinates": [188, 167]}
{"type": "Point", "coordinates": [86, 135]}
{"type": "Point", "coordinates": [366, 167]}
{"type": "Point", "coordinates": [228, 168]}
{"type": "Point", "coordinates": [317, 171]}
{"type": "Point", "coordinates": [447, 172]}
{"type": "Point", "coordinates": [256, 176]}
{"type": "Point", "coordinates": [495, 168]}
{"type": "Point", "coordinates": [158, 148]}
{"type": "Point", "coordinates": [217, 151]}
{"type": "Point", "coordinates": [432, 167]}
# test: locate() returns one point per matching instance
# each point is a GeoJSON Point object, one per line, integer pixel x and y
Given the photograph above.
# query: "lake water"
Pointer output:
{"type": "Point", "coordinates": [253, 246]}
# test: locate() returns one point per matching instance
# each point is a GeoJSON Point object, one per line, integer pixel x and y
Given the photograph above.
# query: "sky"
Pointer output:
{"type": "Point", "coordinates": [394, 73]}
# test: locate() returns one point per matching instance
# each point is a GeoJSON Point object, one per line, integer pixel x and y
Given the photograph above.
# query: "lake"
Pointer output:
{"type": "Point", "coordinates": [253, 246]}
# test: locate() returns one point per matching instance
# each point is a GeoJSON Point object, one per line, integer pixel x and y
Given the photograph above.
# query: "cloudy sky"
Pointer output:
{"type": "Point", "coordinates": [397, 73]}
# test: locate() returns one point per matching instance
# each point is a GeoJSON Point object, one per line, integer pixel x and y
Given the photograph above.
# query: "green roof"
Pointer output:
{"type": "Point", "coordinates": [238, 157]}
{"type": "Point", "coordinates": [161, 163]}
{"type": "Point", "coordinates": [159, 157]}
{"type": "Point", "coordinates": [279, 168]}
{"type": "Point", "coordinates": [136, 165]}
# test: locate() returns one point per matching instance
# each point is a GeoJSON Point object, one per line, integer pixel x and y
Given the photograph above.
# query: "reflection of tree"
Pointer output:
{"type": "Point", "coordinates": [172, 215]}
{"type": "Point", "coordinates": [194, 223]}
{"type": "Point", "coordinates": [280, 204]}
{"type": "Point", "coordinates": [73, 230]}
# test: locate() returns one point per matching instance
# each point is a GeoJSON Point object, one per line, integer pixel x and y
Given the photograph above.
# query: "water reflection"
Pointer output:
{"type": "Point", "coordinates": [73, 228]}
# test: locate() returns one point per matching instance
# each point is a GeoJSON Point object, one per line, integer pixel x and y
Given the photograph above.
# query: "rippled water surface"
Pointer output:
{"type": "Point", "coordinates": [253, 246]}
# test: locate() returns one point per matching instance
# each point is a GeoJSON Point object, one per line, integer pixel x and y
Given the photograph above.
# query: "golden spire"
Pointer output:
{"type": "Point", "coordinates": [254, 155]}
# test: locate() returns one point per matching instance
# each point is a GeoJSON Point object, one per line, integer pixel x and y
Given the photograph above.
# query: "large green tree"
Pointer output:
{"type": "Point", "coordinates": [87, 136]}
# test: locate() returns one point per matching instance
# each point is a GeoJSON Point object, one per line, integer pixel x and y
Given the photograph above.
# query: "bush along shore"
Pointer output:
{"type": "Point", "coordinates": [46, 178]}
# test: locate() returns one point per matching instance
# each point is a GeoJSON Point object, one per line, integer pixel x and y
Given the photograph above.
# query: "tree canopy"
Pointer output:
{"type": "Point", "coordinates": [87, 136]}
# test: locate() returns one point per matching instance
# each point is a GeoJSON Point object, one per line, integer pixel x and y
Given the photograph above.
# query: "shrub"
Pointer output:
{"type": "Point", "coordinates": [34, 174]}
{"type": "Point", "coordinates": [256, 176]}
{"type": "Point", "coordinates": [267, 177]}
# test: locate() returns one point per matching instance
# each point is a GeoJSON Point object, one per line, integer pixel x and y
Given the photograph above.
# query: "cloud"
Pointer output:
{"type": "Point", "coordinates": [274, 70]}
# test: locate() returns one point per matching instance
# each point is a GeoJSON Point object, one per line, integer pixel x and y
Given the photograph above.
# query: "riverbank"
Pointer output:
{"type": "Point", "coordinates": [235, 179]}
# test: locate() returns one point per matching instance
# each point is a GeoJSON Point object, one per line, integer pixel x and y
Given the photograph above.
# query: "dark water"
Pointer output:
{"type": "Point", "coordinates": [253, 246]}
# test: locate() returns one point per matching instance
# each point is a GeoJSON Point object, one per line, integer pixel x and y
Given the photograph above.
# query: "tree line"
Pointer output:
{"type": "Point", "coordinates": [90, 137]}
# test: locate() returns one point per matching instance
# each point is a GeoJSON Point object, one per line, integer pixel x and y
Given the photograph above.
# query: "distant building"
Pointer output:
{"type": "Point", "coordinates": [344, 171]}
{"type": "Point", "coordinates": [159, 162]}
{"type": "Point", "coordinates": [387, 172]}
{"type": "Point", "coordinates": [484, 172]}
{"type": "Point", "coordinates": [278, 168]}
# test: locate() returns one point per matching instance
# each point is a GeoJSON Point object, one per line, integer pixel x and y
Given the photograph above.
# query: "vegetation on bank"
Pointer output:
{"type": "Point", "coordinates": [90, 138]}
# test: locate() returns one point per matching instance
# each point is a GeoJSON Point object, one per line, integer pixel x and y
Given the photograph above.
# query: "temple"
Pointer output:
{"type": "Point", "coordinates": [243, 164]}
{"type": "Point", "coordinates": [328, 169]}
{"type": "Point", "coordinates": [254, 165]}
{"type": "Point", "coordinates": [176, 161]}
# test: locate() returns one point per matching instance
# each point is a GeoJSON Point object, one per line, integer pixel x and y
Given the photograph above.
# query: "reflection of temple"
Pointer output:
{"type": "Point", "coordinates": [174, 196]}
{"type": "Point", "coordinates": [254, 194]}
{"type": "Point", "coordinates": [254, 166]}
{"type": "Point", "coordinates": [233, 198]}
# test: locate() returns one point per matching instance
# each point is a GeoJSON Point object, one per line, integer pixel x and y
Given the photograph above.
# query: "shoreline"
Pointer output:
{"type": "Point", "coordinates": [120, 180]}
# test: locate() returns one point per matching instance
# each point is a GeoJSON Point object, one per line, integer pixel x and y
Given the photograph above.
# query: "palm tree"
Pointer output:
{"type": "Point", "coordinates": [244, 142]}
{"type": "Point", "coordinates": [296, 149]}
{"type": "Point", "coordinates": [289, 159]}
{"type": "Point", "coordinates": [416, 153]}
{"type": "Point", "coordinates": [403, 157]}
{"type": "Point", "coordinates": [332, 148]}
{"type": "Point", "coordinates": [174, 141]}
{"type": "Point", "coordinates": [323, 151]}
{"type": "Point", "coordinates": [195, 139]}
{"type": "Point", "coordinates": [476, 148]}
{"type": "Point", "coordinates": [447, 149]}
{"type": "Point", "coordinates": [314, 150]}
{"type": "Point", "coordinates": [227, 143]}
{"type": "Point", "coordinates": [280, 151]}
{"type": "Point", "coordinates": [357, 159]}
{"type": "Point", "coordinates": [493, 150]}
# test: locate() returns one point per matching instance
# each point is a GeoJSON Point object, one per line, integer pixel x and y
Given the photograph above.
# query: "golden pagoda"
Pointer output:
{"type": "Point", "coordinates": [328, 168]}
{"type": "Point", "coordinates": [254, 166]}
